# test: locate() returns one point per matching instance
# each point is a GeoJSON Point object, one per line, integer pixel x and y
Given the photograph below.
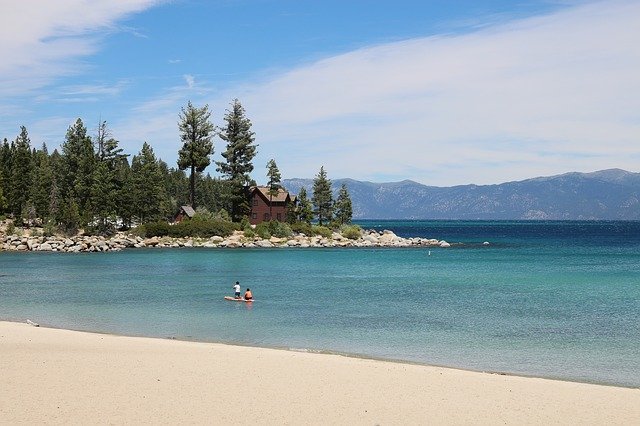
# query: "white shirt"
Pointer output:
{"type": "Point", "coordinates": [236, 288]}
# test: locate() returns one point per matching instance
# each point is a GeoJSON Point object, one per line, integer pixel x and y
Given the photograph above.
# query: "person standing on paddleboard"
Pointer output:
{"type": "Point", "coordinates": [236, 289]}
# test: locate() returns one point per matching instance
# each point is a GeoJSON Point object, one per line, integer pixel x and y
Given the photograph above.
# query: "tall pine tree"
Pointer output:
{"type": "Point", "coordinates": [79, 165]}
{"type": "Point", "coordinates": [305, 208]}
{"type": "Point", "coordinates": [343, 206]}
{"type": "Point", "coordinates": [41, 183]}
{"type": "Point", "coordinates": [196, 132]}
{"type": "Point", "coordinates": [21, 168]}
{"type": "Point", "coordinates": [274, 182]}
{"type": "Point", "coordinates": [322, 198]}
{"type": "Point", "coordinates": [241, 149]}
{"type": "Point", "coordinates": [149, 195]}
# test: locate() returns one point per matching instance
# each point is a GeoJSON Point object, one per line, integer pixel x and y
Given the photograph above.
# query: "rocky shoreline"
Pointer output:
{"type": "Point", "coordinates": [120, 241]}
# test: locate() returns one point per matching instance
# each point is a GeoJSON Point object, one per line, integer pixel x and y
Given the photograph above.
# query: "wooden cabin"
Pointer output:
{"type": "Point", "coordinates": [186, 212]}
{"type": "Point", "coordinates": [264, 205]}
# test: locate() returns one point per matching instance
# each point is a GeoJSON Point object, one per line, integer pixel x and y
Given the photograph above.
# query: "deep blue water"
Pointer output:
{"type": "Point", "coordinates": [551, 299]}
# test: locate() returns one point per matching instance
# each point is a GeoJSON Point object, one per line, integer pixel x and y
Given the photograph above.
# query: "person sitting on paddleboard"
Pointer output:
{"type": "Point", "coordinates": [248, 295]}
{"type": "Point", "coordinates": [236, 289]}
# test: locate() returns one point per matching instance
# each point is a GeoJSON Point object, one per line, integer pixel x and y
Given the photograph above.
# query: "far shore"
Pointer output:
{"type": "Point", "coordinates": [61, 376]}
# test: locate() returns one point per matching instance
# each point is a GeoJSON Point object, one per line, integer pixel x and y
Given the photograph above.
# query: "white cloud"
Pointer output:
{"type": "Point", "coordinates": [190, 80]}
{"type": "Point", "coordinates": [43, 40]}
{"type": "Point", "coordinates": [536, 96]}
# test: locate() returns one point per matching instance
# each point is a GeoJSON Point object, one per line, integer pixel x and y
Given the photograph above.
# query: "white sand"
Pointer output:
{"type": "Point", "coordinates": [61, 376]}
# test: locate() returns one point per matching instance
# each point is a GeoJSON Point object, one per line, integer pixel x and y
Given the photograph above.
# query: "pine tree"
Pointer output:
{"type": "Point", "coordinates": [5, 172]}
{"type": "Point", "coordinates": [149, 196]}
{"type": "Point", "coordinates": [2, 199]}
{"type": "Point", "coordinates": [21, 168]}
{"type": "Point", "coordinates": [305, 208]}
{"type": "Point", "coordinates": [106, 187]}
{"type": "Point", "coordinates": [322, 198]}
{"type": "Point", "coordinates": [196, 132]}
{"type": "Point", "coordinates": [274, 182]}
{"type": "Point", "coordinates": [41, 183]}
{"type": "Point", "coordinates": [241, 149]}
{"type": "Point", "coordinates": [343, 206]}
{"type": "Point", "coordinates": [79, 164]}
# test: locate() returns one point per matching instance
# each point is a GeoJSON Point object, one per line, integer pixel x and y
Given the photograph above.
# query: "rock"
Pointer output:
{"type": "Point", "coordinates": [370, 239]}
{"type": "Point", "coordinates": [22, 247]}
{"type": "Point", "coordinates": [216, 239]}
{"type": "Point", "coordinates": [188, 243]}
{"type": "Point", "coordinates": [293, 243]}
{"type": "Point", "coordinates": [444, 244]}
{"type": "Point", "coordinates": [45, 247]}
{"type": "Point", "coordinates": [264, 243]}
{"type": "Point", "coordinates": [486, 243]}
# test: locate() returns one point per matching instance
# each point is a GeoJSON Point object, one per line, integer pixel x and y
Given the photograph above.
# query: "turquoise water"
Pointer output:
{"type": "Point", "coordinates": [551, 299]}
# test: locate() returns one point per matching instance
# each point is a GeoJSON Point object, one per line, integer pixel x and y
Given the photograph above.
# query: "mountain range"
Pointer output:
{"type": "Point", "coordinates": [611, 194]}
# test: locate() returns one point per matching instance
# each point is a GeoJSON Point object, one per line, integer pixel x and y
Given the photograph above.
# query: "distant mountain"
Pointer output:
{"type": "Point", "coordinates": [612, 194]}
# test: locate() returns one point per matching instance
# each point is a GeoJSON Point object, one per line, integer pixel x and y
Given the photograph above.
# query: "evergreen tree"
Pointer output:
{"type": "Point", "coordinates": [196, 132]}
{"type": "Point", "coordinates": [41, 183]}
{"type": "Point", "coordinates": [322, 198]}
{"type": "Point", "coordinates": [21, 168]}
{"type": "Point", "coordinates": [69, 217]}
{"type": "Point", "coordinates": [56, 197]}
{"type": "Point", "coordinates": [106, 187]}
{"type": "Point", "coordinates": [241, 149]}
{"type": "Point", "coordinates": [343, 207]}
{"type": "Point", "coordinates": [124, 192]}
{"type": "Point", "coordinates": [79, 164]}
{"type": "Point", "coordinates": [149, 195]}
{"type": "Point", "coordinates": [305, 208]}
{"type": "Point", "coordinates": [2, 199]}
{"type": "Point", "coordinates": [5, 171]}
{"type": "Point", "coordinates": [274, 182]}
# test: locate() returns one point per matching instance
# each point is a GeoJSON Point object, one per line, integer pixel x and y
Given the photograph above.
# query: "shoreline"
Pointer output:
{"type": "Point", "coordinates": [323, 352]}
{"type": "Point", "coordinates": [61, 376]}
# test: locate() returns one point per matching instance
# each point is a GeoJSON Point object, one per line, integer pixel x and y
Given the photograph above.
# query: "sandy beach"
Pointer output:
{"type": "Point", "coordinates": [69, 377]}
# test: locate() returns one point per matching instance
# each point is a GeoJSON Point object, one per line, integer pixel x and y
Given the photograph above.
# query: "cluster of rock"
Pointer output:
{"type": "Point", "coordinates": [121, 241]}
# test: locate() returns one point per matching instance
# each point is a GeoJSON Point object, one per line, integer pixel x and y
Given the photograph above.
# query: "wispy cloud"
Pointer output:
{"type": "Point", "coordinates": [42, 40]}
{"type": "Point", "coordinates": [529, 97]}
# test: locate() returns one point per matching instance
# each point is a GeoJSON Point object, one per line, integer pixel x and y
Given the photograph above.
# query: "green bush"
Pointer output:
{"type": "Point", "coordinates": [302, 228]}
{"type": "Point", "coordinates": [280, 229]}
{"type": "Point", "coordinates": [49, 229]}
{"type": "Point", "coordinates": [198, 227]}
{"type": "Point", "coordinates": [323, 231]}
{"type": "Point", "coordinates": [352, 232]}
{"type": "Point", "coordinates": [249, 233]}
{"type": "Point", "coordinates": [262, 230]}
{"type": "Point", "coordinates": [154, 229]}
{"type": "Point", "coordinates": [11, 228]}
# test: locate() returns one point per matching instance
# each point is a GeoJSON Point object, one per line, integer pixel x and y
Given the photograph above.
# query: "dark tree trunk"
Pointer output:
{"type": "Point", "coordinates": [192, 185]}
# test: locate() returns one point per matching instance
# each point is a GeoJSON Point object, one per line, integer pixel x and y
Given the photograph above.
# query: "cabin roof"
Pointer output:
{"type": "Point", "coordinates": [188, 210]}
{"type": "Point", "coordinates": [280, 197]}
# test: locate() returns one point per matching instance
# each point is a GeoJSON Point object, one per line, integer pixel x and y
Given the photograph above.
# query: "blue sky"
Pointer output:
{"type": "Point", "coordinates": [441, 92]}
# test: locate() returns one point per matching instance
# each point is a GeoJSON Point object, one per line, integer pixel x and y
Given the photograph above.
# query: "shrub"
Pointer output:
{"type": "Point", "coordinates": [11, 228]}
{"type": "Point", "coordinates": [198, 227]}
{"type": "Point", "coordinates": [249, 233]}
{"type": "Point", "coordinates": [279, 229]}
{"type": "Point", "coordinates": [262, 230]}
{"type": "Point", "coordinates": [352, 232]}
{"type": "Point", "coordinates": [154, 229]}
{"type": "Point", "coordinates": [323, 231]}
{"type": "Point", "coordinates": [302, 228]}
{"type": "Point", "coordinates": [49, 229]}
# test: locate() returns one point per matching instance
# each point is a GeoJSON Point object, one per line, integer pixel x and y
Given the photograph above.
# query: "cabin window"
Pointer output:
{"type": "Point", "coordinates": [279, 216]}
{"type": "Point", "coordinates": [255, 201]}
{"type": "Point", "coordinates": [254, 215]}
{"type": "Point", "coordinates": [266, 216]}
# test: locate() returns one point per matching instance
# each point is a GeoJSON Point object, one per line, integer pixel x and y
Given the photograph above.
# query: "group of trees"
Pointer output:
{"type": "Point", "coordinates": [322, 206]}
{"type": "Point", "coordinates": [91, 182]}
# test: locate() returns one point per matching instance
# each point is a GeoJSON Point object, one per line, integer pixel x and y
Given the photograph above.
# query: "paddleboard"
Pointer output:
{"type": "Point", "coordinates": [233, 299]}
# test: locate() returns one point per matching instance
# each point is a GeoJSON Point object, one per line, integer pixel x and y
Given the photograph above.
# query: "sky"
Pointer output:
{"type": "Point", "coordinates": [440, 92]}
